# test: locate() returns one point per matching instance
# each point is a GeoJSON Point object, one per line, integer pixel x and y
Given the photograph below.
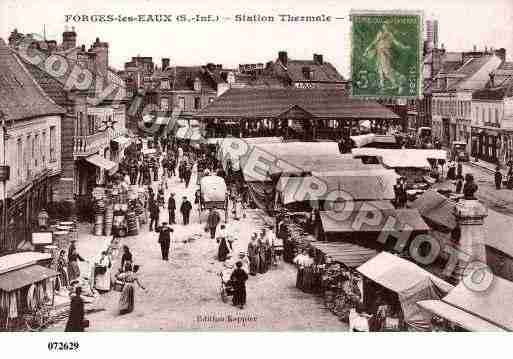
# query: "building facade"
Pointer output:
{"type": "Point", "coordinates": [93, 129]}
{"type": "Point", "coordinates": [461, 74]}
{"type": "Point", "coordinates": [492, 118]}
{"type": "Point", "coordinates": [30, 146]}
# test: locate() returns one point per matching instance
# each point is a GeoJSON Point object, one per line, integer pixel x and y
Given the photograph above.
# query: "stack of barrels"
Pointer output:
{"type": "Point", "coordinates": [109, 216]}
{"type": "Point", "coordinates": [132, 223]}
{"type": "Point", "coordinates": [99, 211]}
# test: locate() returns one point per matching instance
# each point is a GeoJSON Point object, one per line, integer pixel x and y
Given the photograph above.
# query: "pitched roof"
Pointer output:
{"type": "Point", "coordinates": [49, 84]}
{"type": "Point", "coordinates": [320, 72]}
{"type": "Point", "coordinates": [473, 78]}
{"type": "Point", "coordinates": [182, 78]}
{"type": "Point", "coordinates": [20, 95]}
{"type": "Point", "coordinates": [272, 102]}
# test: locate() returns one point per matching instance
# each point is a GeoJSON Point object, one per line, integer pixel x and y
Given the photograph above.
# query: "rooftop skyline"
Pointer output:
{"type": "Point", "coordinates": [462, 24]}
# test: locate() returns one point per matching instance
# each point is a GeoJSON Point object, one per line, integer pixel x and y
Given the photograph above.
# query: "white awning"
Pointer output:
{"type": "Point", "coordinates": [104, 163]}
{"type": "Point", "coordinates": [398, 274]}
{"type": "Point", "coordinates": [462, 318]}
{"type": "Point", "coordinates": [121, 140]}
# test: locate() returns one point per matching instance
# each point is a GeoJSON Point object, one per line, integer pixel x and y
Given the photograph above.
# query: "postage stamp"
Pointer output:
{"type": "Point", "coordinates": [386, 53]}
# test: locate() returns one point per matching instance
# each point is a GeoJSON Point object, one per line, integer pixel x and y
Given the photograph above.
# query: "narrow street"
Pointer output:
{"type": "Point", "coordinates": [498, 200]}
{"type": "Point", "coordinates": [187, 287]}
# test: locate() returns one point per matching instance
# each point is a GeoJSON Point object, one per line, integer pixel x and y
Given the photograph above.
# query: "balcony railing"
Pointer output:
{"type": "Point", "coordinates": [90, 144]}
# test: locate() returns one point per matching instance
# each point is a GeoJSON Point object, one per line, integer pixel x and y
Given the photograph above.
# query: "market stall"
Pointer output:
{"type": "Point", "coordinates": [26, 284]}
{"type": "Point", "coordinates": [371, 227]}
{"type": "Point", "coordinates": [393, 286]}
{"type": "Point", "coordinates": [322, 189]}
{"type": "Point", "coordinates": [339, 283]}
{"type": "Point", "coordinates": [413, 164]}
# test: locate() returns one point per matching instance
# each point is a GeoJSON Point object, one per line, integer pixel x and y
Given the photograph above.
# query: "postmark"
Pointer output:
{"type": "Point", "coordinates": [386, 54]}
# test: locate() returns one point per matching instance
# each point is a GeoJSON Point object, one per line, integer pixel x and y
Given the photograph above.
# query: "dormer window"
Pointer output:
{"type": "Point", "coordinates": [197, 84]}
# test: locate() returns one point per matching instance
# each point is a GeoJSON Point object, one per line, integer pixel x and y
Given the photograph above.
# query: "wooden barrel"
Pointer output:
{"type": "Point", "coordinates": [109, 216]}
{"type": "Point", "coordinates": [99, 207]}
{"type": "Point", "coordinates": [98, 224]}
{"type": "Point", "coordinates": [131, 222]}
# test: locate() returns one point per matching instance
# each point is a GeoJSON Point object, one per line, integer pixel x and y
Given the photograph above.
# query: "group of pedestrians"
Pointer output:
{"type": "Point", "coordinates": [261, 251]}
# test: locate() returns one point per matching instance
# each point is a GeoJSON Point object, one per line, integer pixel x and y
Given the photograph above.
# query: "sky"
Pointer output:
{"type": "Point", "coordinates": [462, 24]}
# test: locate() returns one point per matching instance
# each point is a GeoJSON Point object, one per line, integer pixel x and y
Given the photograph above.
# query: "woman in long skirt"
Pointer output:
{"type": "Point", "coordinates": [102, 273]}
{"type": "Point", "coordinates": [73, 268]}
{"type": "Point", "coordinates": [253, 255]}
{"type": "Point", "coordinates": [239, 278]}
{"type": "Point", "coordinates": [223, 250]}
{"type": "Point", "coordinates": [127, 298]}
{"type": "Point", "coordinates": [263, 247]}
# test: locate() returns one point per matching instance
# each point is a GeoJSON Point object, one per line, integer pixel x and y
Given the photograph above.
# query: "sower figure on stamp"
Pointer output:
{"type": "Point", "coordinates": [381, 50]}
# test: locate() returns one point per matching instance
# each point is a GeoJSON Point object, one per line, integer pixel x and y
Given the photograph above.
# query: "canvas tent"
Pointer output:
{"type": "Point", "coordinates": [478, 310]}
{"type": "Point", "coordinates": [358, 185]}
{"type": "Point", "coordinates": [410, 282]}
{"type": "Point", "coordinates": [402, 158]}
{"type": "Point", "coordinates": [351, 255]}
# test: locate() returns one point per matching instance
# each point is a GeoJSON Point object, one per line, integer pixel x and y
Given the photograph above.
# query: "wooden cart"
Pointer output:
{"type": "Point", "coordinates": [213, 193]}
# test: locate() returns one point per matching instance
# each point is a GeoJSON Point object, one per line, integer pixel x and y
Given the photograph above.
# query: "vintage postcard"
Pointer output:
{"type": "Point", "coordinates": [302, 166]}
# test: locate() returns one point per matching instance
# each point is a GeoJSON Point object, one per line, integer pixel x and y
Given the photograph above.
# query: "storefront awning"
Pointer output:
{"type": "Point", "coordinates": [348, 254]}
{"type": "Point", "coordinates": [460, 317]}
{"type": "Point", "coordinates": [398, 274]}
{"type": "Point", "coordinates": [121, 140]}
{"type": "Point", "coordinates": [22, 277]}
{"type": "Point", "coordinates": [103, 163]}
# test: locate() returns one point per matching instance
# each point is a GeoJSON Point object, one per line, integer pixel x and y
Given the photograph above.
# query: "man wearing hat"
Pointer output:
{"type": "Point", "coordinates": [171, 207]}
{"type": "Point", "coordinates": [185, 208]}
{"type": "Point", "coordinates": [165, 232]}
{"type": "Point", "coordinates": [213, 220]}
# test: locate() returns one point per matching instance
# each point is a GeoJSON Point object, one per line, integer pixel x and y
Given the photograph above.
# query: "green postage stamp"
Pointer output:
{"type": "Point", "coordinates": [386, 54]}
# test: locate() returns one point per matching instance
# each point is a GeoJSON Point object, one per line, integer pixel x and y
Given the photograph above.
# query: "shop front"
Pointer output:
{"type": "Point", "coordinates": [23, 208]}
{"type": "Point", "coordinates": [486, 144]}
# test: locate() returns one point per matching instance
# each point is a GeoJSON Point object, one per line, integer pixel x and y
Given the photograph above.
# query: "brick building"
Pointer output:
{"type": "Point", "coordinates": [94, 126]}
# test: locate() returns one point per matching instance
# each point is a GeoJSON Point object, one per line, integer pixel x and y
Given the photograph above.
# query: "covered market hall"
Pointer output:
{"type": "Point", "coordinates": [291, 113]}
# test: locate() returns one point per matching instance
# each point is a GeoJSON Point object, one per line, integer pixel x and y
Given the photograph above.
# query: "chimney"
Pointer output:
{"type": "Point", "coordinates": [165, 63]}
{"type": "Point", "coordinates": [69, 39]}
{"type": "Point", "coordinates": [101, 50]}
{"type": "Point", "coordinates": [318, 59]}
{"type": "Point", "coordinates": [282, 56]}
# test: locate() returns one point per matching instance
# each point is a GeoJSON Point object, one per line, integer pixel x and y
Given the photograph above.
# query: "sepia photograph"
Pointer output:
{"type": "Point", "coordinates": [301, 166]}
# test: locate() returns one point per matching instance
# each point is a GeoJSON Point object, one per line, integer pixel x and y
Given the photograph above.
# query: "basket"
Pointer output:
{"type": "Point", "coordinates": [118, 286]}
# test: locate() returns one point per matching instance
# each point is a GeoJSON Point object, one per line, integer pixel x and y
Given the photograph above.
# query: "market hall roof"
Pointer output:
{"type": "Point", "coordinates": [20, 95]}
{"type": "Point", "coordinates": [272, 103]}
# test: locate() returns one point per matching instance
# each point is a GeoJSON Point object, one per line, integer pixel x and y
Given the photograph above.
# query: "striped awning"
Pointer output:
{"type": "Point", "coordinates": [348, 254]}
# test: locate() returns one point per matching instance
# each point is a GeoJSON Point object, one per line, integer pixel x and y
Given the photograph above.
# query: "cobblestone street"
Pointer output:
{"type": "Point", "coordinates": [187, 287]}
